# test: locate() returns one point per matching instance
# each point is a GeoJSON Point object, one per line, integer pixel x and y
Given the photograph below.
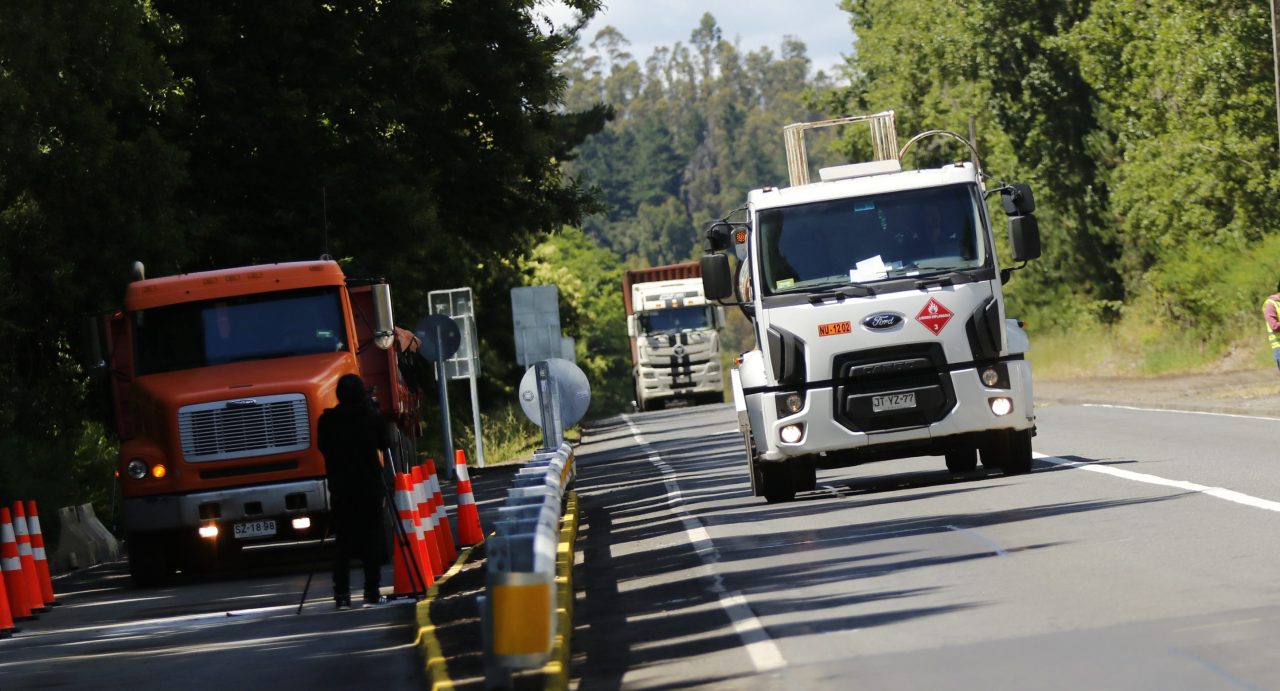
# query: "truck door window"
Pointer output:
{"type": "Point", "coordinates": [250, 327]}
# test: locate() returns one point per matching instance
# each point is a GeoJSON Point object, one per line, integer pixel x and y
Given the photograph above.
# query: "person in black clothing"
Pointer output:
{"type": "Point", "coordinates": [350, 436]}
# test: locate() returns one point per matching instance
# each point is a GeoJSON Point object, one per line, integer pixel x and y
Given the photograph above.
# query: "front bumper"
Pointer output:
{"type": "Point", "coordinates": [823, 434]}
{"type": "Point", "coordinates": [282, 501]}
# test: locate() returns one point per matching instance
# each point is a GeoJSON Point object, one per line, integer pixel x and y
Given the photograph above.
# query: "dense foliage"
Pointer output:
{"type": "Point", "coordinates": [423, 140]}
{"type": "Point", "coordinates": [1148, 130]}
{"type": "Point", "coordinates": [697, 125]}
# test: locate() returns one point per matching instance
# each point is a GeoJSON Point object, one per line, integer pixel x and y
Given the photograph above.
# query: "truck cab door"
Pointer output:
{"type": "Point", "coordinates": [120, 370]}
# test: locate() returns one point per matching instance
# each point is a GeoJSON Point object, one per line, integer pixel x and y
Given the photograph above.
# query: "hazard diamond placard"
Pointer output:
{"type": "Point", "coordinates": [934, 316]}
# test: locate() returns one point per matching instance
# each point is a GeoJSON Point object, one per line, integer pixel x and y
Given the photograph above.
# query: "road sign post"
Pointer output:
{"type": "Point", "coordinates": [465, 364]}
{"type": "Point", "coordinates": [440, 339]}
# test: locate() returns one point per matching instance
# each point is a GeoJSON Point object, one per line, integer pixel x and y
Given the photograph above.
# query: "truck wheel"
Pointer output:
{"type": "Point", "coordinates": [1018, 459]}
{"type": "Point", "coordinates": [778, 480]}
{"type": "Point", "coordinates": [804, 474]}
{"type": "Point", "coordinates": [150, 565]}
{"type": "Point", "coordinates": [962, 460]}
{"type": "Point", "coordinates": [1008, 450]}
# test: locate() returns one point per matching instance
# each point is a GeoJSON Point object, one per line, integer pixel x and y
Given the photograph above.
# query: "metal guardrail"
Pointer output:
{"type": "Point", "coordinates": [520, 605]}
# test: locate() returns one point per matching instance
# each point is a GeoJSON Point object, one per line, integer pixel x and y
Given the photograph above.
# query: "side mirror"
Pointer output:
{"type": "Point", "coordinates": [718, 236]}
{"type": "Point", "coordinates": [90, 350]}
{"type": "Point", "coordinates": [384, 329]}
{"type": "Point", "coordinates": [717, 280]}
{"type": "Point", "coordinates": [1017, 200]}
{"type": "Point", "coordinates": [1024, 238]}
{"type": "Point", "coordinates": [631, 326]}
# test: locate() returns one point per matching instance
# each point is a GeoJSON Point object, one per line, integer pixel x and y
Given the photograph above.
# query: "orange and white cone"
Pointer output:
{"type": "Point", "coordinates": [7, 627]}
{"type": "Point", "coordinates": [15, 583]}
{"type": "Point", "coordinates": [409, 579]}
{"type": "Point", "coordinates": [42, 561]}
{"type": "Point", "coordinates": [444, 532]}
{"type": "Point", "coordinates": [427, 527]}
{"type": "Point", "coordinates": [28, 559]}
{"type": "Point", "coordinates": [469, 530]}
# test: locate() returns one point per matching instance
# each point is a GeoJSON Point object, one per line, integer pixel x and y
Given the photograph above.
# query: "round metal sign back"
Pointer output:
{"type": "Point", "coordinates": [575, 392]}
{"type": "Point", "coordinates": [440, 337]}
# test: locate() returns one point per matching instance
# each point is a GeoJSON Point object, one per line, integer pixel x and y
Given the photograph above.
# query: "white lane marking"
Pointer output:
{"type": "Point", "coordinates": [1217, 492]}
{"type": "Point", "coordinates": [1174, 410]}
{"type": "Point", "coordinates": [995, 548]}
{"type": "Point", "coordinates": [764, 653]}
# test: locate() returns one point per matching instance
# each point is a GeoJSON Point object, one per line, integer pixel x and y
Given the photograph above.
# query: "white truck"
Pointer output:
{"type": "Point", "coordinates": [876, 297]}
{"type": "Point", "coordinates": [674, 333]}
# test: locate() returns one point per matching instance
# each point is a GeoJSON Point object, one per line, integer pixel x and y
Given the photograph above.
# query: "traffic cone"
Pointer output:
{"type": "Point", "coordinates": [408, 576]}
{"type": "Point", "coordinates": [429, 523]}
{"type": "Point", "coordinates": [42, 561]}
{"type": "Point", "coordinates": [469, 530]}
{"type": "Point", "coordinates": [6, 617]}
{"type": "Point", "coordinates": [15, 583]}
{"type": "Point", "coordinates": [27, 558]}
{"type": "Point", "coordinates": [448, 553]}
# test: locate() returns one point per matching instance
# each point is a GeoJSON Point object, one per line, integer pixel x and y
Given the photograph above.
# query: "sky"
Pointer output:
{"type": "Point", "coordinates": [819, 24]}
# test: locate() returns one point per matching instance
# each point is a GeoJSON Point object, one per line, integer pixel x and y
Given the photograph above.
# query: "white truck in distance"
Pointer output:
{"type": "Point", "coordinates": [879, 315]}
{"type": "Point", "coordinates": [674, 333]}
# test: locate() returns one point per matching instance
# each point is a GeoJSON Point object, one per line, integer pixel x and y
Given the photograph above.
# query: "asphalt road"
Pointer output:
{"type": "Point", "coordinates": [1139, 553]}
{"type": "Point", "coordinates": [237, 628]}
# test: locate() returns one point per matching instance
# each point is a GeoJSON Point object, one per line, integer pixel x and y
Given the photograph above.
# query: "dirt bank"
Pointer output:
{"type": "Point", "coordinates": [1244, 392]}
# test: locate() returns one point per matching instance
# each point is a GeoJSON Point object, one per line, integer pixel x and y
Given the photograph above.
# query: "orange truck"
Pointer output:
{"type": "Point", "coordinates": [218, 379]}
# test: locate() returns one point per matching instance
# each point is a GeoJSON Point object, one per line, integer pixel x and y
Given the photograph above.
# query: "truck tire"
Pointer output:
{"type": "Point", "coordinates": [1008, 450]}
{"type": "Point", "coordinates": [778, 482]}
{"type": "Point", "coordinates": [962, 460]}
{"type": "Point", "coordinates": [150, 562]}
{"type": "Point", "coordinates": [804, 474]}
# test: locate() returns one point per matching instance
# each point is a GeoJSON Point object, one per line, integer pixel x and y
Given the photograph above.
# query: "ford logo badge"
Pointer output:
{"type": "Point", "coordinates": [883, 320]}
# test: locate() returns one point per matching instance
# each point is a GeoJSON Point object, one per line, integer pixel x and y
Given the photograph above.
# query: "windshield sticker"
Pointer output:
{"type": "Point", "coordinates": [835, 329]}
{"type": "Point", "coordinates": [324, 333]}
{"type": "Point", "coordinates": [785, 283]}
{"type": "Point", "coordinates": [934, 316]}
{"type": "Point", "coordinates": [864, 206]}
{"type": "Point", "coordinates": [872, 269]}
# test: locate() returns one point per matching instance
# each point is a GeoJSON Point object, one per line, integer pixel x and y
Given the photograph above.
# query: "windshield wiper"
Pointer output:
{"type": "Point", "coordinates": [839, 294]}
{"type": "Point", "coordinates": [946, 278]}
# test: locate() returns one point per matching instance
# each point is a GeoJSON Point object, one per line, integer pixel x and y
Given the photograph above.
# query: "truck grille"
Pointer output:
{"type": "Point", "coordinates": [918, 369]}
{"type": "Point", "coordinates": [240, 428]}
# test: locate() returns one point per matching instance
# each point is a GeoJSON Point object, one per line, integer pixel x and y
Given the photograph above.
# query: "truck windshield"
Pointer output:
{"type": "Point", "coordinates": [675, 320]}
{"type": "Point", "coordinates": [248, 327]}
{"type": "Point", "coordinates": [871, 238]}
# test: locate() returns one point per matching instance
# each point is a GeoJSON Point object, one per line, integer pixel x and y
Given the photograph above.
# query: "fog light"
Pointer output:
{"type": "Point", "coordinates": [158, 470]}
{"type": "Point", "coordinates": [794, 403]}
{"type": "Point", "coordinates": [209, 531]}
{"type": "Point", "coordinates": [137, 469]}
{"type": "Point", "coordinates": [302, 523]}
{"type": "Point", "coordinates": [792, 433]}
{"type": "Point", "coordinates": [990, 377]}
{"type": "Point", "coordinates": [1001, 406]}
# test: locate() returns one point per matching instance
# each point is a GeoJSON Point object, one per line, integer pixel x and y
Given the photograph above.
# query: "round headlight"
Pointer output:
{"type": "Point", "coordinates": [1001, 406]}
{"type": "Point", "coordinates": [794, 403]}
{"type": "Point", "coordinates": [137, 469]}
{"type": "Point", "coordinates": [990, 377]}
{"type": "Point", "coordinates": [792, 433]}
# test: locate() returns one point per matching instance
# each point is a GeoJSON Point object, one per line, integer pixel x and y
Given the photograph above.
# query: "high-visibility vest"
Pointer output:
{"type": "Point", "coordinates": [1273, 337]}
